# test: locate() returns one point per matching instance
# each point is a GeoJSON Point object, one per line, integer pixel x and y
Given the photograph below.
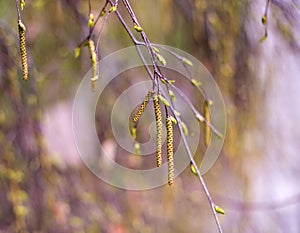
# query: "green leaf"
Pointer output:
{"type": "Point", "coordinates": [138, 28]}
{"type": "Point", "coordinates": [76, 52]}
{"type": "Point", "coordinates": [177, 113]}
{"type": "Point", "coordinates": [172, 95]}
{"type": "Point", "coordinates": [263, 38]}
{"type": "Point", "coordinates": [264, 20]}
{"type": "Point", "coordinates": [193, 169]}
{"type": "Point", "coordinates": [22, 4]}
{"type": "Point", "coordinates": [187, 62]}
{"type": "Point", "coordinates": [195, 82]}
{"type": "Point", "coordinates": [102, 13]}
{"type": "Point", "coordinates": [113, 8]}
{"type": "Point", "coordinates": [200, 117]}
{"type": "Point", "coordinates": [184, 128]}
{"type": "Point", "coordinates": [133, 132]}
{"type": "Point", "coordinates": [210, 102]}
{"type": "Point", "coordinates": [155, 49]}
{"type": "Point", "coordinates": [161, 59]}
{"type": "Point", "coordinates": [163, 100]}
{"type": "Point", "coordinates": [137, 148]}
{"type": "Point", "coordinates": [91, 21]}
{"type": "Point", "coordinates": [219, 210]}
{"type": "Point", "coordinates": [173, 119]}
{"type": "Point", "coordinates": [167, 81]}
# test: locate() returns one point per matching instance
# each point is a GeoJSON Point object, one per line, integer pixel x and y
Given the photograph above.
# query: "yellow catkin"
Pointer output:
{"type": "Point", "coordinates": [170, 155]}
{"type": "Point", "coordinates": [208, 122]}
{"type": "Point", "coordinates": [141, 108]}
{"type": "Point", "coordinates": [158, 119]}
{"type": "Point", "coordinates": [22, 30]}
{"type": "Point", "coordinates": [94, 61]}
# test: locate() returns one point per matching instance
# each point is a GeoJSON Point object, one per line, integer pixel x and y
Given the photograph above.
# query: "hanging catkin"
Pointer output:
{"type": "Point", "coordinates": [158, 119]}
{"type": "Point", "coordinates": [22, 30]}
{"type": "Point", "coordinates": [141, 108]}
{"type": "Point", "coordinates": [170, 155]}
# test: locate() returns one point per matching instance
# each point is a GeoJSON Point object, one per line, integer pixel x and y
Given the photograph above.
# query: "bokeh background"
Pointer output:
{"type": "Point", "coordinates": [45, 187]}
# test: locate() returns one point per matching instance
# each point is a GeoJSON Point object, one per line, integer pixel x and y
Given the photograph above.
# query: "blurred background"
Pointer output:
{"type": "Point", "coordinates": [45, 187]}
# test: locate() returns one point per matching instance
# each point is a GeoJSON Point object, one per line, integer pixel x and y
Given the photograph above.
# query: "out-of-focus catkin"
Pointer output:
{"type": "Point", "coordinates": [22, 30]}
{"type": "Point", "coordinates": [92, 50]}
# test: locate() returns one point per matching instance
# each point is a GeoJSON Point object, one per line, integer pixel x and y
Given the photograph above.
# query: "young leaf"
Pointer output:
{"type": "Point", "coordinates": [195, 82]}
{"type": "Point", "coordinates": [264, 20]}
{"type": "Point", "coordinates": [172, 95]}
{"type": "Point", "coordinates": [184, 128]}
{"type": "Point", "coordinates": [138, 28]}
{"type": "Point", "coordinates": [163, 100]}
{"type": "Point", "coordinates": [113, 8]}
{"type": "Point", "coordinates": [91, 21]}
{"type": "Point", "coordinates": [173, 120]}
{"type": "Point", "coordinates": [219, 210]}
{"type": "Point", "coordinates": [133, 132]}
{"type": "Point", "coordinates": [199, 117]}
{"type": "Point", "coordinates": [263, 38]}
{"type": "Point", "coordinates": [193, 169]}
{"type": "Point", "coordinates": [22, 4]}
{"type": "Point", "coordinates": [155, 49]}
{"type": "Point", "coordinates": [161, 59]}
{"type": "Point", "coordinates": [177, 113]}
{"type": "Point", "coordinates": [187, 62]}
{"type": "Point", "coordinates": [137, 148]}
{"type": "Point", "coordinates": [76, 52]}
{"type": "Point", "coordinates": [102, 13]}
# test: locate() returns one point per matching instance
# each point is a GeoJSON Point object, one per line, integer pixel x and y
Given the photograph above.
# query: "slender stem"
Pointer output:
{"type": "Point", "coordinates": [145, 39]}
{"type": "Point", "coordinates": [103, 9]}
{"type": "Point", "coordinates": [267, 7]}
{"type": "Point", "coordinates": [135, 41]}
{"type": "Point", "coordinates": [92, 28]}
{"type": "Point", "coordinates": [101, 31]}
{"type": "Point", "coordinates": [90, 7]}
{"type": "Point", "coordinates": [211, 202]}
{"type": "Point", "coordinates": [18, 10]}
{"type": "Point", "coordinates": [266, 17]}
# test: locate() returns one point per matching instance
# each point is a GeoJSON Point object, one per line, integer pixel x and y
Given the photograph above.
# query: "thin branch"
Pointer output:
{"type": "Point", "coordinates": [18, 10]}
{"type": "Point", "coordinates": [90, 7]}
{"type": "Point", "coordinates": [135, 41]}
{"type": "Point", "coordinates": [157, 76]}
{"type": "Point", "coordinates": [93, 28]}
{"type": "Point", "coordinates": [145, 39]}
{"type": "Point", "coordinates": [101, 31]}
{"type": "Point", "coordinates": [212, 205]}
{"type": "Point", "coordinates": [267, 7]}
{"type": "Point", "coordinates": [265, 21]}
{"type": "Point", "coordinates": [101, 12]}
